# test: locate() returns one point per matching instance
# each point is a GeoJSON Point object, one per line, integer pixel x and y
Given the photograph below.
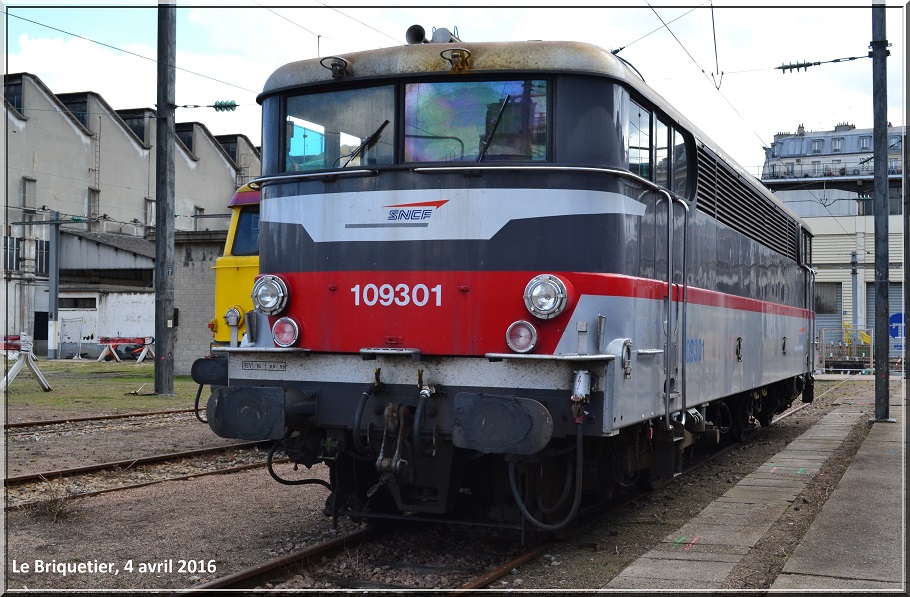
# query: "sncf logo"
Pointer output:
{"type": "Point", "coordinates": [413, 211]}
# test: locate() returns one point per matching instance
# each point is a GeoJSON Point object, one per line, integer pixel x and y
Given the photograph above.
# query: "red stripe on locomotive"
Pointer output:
{"type": "Point", "coordinates": [460, 312]}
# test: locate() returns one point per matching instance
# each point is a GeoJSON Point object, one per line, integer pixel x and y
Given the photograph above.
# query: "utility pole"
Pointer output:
{"type": "Point", "coordinates": [881, 347]}
{"type": "Point", "coordinates": [53, 285]}
{"type": "Point", "coordinates": [164, 201]}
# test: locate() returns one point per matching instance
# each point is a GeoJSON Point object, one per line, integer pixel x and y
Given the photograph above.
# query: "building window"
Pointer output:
{"type": "Point", "coordinates": [28, 193]}
{"type": "Point", "coordinates": [184, 132]}
{"type": "Point", "coordinates": [865, 143]}
{"type": "Point", "coordinates": [816, 168]}
{"type": "Point", "coordinates": [77, 302]}
{"type": "Point", "coordinates": [894, 143]}
{"type": "Point", "coordinates": [78, 107]}
{"type": "Point", "coordinates": [149, 212]}
{"type": "Point", "coordinates": [11, 250]}
{"type": "Point", "coordinates": [894, 166]}
{"type": "Point", "coordinates": [137, 125]}
{"type": "Point", "coordinates": [790, 169]}
{"type": "Point", "coordinates": [837, 145]}
{"type": "Point", "coordinates": [826, 295]}
{"type": "Point", "coordinates": [42, 257]}
{"type": "Point", "coordinates": [14, 94]}
{"type": "Point", "coordinates": [198, 214]}
{"type": "Point", "coordinates": [838, 168]}
{"type": "Point", "coordinates": [817, 145]}
{"type": "Point", "coordinates": [231, 148]}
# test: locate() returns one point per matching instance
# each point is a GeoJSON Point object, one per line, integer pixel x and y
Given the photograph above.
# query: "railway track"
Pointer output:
{"type": "Point", "coordinates": [78, 482]}
{"type": "Point", "coordinates": [54, 422]}
{"type": "Point", "coordinates": [326, 564]}
{"type": "Point", "coordinates": [313, 565]}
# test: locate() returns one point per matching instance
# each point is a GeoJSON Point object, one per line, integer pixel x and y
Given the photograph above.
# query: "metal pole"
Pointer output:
{"type": "Point", "coordinates": [53, 285]}
{"type": "Point", "coordinates": [906, 258]}
{"type": "Point", "coordinates": [881, 347]}
{"type": "Point", "coordinates": [854, 335]}
{"type": "Point", "coordinates": [164, 201]}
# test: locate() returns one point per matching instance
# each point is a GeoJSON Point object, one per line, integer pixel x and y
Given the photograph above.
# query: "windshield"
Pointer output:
{"type": "Point", "coordinates": [246, 236]}
{"type": "Point", "coordinates": [464, 121]}
{"type": "Point", "coordinates": [475, 121]}
{"type": "Point", "coordinates": [340, 129]}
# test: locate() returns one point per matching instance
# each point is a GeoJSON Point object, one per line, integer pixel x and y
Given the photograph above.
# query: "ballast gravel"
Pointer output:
{"type": "Point", "coordinates": [175, 535]}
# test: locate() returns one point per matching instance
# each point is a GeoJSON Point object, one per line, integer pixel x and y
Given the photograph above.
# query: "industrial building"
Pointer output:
{"type": "Point", "coordinates": [82, 170]}
{"type": "Point", "coordinates": [827, 178]}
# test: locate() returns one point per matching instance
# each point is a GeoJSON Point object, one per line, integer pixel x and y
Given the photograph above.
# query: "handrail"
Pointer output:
{"type": "Point", "coordinates": [263, 180]}
{"type": "Point", "coordinates": [672, 329]}
{"type": "Point", "coordinates": [474, 167]}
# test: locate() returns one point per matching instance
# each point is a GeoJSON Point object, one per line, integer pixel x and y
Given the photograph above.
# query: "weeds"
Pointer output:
{"type": "Point", "coordinates": [58, 505]}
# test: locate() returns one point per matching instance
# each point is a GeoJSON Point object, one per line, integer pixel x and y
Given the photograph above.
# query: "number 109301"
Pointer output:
{"type": "Point", "coordinates": [400, 294]}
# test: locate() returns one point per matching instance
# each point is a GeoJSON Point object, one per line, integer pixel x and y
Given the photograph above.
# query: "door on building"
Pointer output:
{"type": "Point", "coordinates": [40, 333]}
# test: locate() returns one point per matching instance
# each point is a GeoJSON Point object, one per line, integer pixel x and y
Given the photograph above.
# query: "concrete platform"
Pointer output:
{"type": "Point", "coordinates": [856, 542]}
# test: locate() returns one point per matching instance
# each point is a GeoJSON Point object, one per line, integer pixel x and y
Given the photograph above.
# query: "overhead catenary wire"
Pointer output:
{"type": "Point", "coordinates": [94, 41]}
{"type": "Point", "coordinates": [318, 36]}
{"type": "Point", "coordinates": [762, 141]}
{"type": "Point", "coordinates": [398, 41]}
{"type": "Point", "coordinates": [620, 49]}
{"type": "Point", "coordinates": [716, 59]}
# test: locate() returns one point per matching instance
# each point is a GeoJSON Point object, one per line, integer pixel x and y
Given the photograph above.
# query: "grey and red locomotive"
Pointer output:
{"type": "Point", "coordinates": [499, 278]}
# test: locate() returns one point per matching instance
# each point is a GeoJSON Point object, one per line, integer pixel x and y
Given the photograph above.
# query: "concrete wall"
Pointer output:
{"type": "Point", "coordinates": [116, 314]}
{"type": "Point", "coordinates": [194, 281]}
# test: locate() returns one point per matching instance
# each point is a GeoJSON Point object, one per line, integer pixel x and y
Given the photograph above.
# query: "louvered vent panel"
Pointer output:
{"type": "Point", "coordinates": [724, 195]}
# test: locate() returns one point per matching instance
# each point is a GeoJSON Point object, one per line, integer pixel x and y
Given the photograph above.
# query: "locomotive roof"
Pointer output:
{"type": "Point", "coordinates": [493, 57]}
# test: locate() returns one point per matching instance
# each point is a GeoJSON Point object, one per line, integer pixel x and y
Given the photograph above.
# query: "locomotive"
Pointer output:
{"type": "Point", "coordinates": [499, 279]}
{"type": "Point", "coordinates": [237, 267]}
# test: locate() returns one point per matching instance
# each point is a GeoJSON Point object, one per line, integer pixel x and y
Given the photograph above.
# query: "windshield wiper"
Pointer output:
{"type": "Point", "coordinates": [367, 143]}
{"type": "Point", "coordinates": [486, 142]}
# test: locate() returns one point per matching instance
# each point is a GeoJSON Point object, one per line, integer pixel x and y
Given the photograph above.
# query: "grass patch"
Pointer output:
{"type": "Point", "coordinates": [87, 387]}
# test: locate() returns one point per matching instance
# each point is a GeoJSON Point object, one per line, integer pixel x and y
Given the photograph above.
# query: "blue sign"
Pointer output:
{"type": "Point", "coordinates": [896, 325]}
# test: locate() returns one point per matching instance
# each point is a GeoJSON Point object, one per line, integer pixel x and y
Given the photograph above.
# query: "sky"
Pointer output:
{"type": "Point", "coordinates": [718, 61]}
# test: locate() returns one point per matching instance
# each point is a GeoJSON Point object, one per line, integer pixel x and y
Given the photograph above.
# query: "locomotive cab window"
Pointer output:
{"type": "Point", "coordinates": [340, 129]}
{"type": "Point", "coordinates": [246, 236]}
{"type": "Point", "coordinates": [475, 121]}
{"type": "Point", "coordinates": [661, 157]}
{"type": "Point", "coordinates": [639, 140]}
{"type": "Point", "coordinates": [662, 154]}
{"type": "Point", "coordinates": [680, 165]}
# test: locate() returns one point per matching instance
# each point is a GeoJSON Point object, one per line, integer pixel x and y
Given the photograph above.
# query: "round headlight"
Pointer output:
{"type": "Point", "coordinates": [545, 296]}
{"type": "Point", "coordinates": [270, 295]}
{"type": "Point", "coordinates": [285, 332]}
{"type": "Point", "coordinates": [521, 336]}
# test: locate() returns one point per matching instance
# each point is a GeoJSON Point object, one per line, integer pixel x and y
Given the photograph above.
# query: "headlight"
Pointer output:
{"type": "Point", "coordinates": [521, 336]}
{"type": "Point", "coordinates": [285, 332]}
{"type": "Point", "coordinates": [270, 295]}
{"type": "Point", "coordinates": [545, 296]}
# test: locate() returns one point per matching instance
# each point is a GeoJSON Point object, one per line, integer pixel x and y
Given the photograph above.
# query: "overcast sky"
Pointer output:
{"type": "Point", "coordinates": [716, 62]}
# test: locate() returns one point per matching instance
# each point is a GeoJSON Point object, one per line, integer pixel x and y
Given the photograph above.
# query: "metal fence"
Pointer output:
{"type": "Point", "coordinates": [843, 350]}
